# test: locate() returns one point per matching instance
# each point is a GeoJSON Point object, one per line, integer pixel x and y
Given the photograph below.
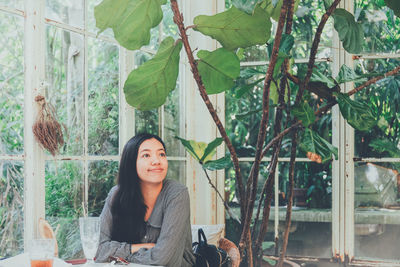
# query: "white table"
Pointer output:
{"type": "Point", "coordinates": [22, 260]}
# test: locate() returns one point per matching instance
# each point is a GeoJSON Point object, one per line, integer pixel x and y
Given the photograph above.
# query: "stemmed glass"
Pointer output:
{"type": "Point", "coordinates": [90, 234]}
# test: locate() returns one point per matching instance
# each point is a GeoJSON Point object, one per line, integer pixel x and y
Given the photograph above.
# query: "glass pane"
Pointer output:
{"type": "Point", "coordinates": [383, 98]}
{"type": "Point", "coordinates": [11, 208]}
{"type": "Point", "coordinates": [174, 123]}
{"type": "Point", "coordinates": [65, 76]}
{"type": "Point", "coordinates": [12, 85]}
{"type": "Point", "coordinates": [310, 233]}
{"type": "Point", "coordinates": [64, 199]}
{"type": "Point", "coordinates": [103, 98]}
{"type": "Point", "coordinates": [377, 210]}
{"type": "Point", "coordinates": [70, 12]}
{"type": "Point", "coordinates": [380, 25]}
{"type": "Point", "coordinates": [177, 170]}
{"type": "Point", "coordinates": [91, 21]}
{"type": "Point", "coordinates": [102, 177]}
{"type": "Point", "coordinates": [19, 4]}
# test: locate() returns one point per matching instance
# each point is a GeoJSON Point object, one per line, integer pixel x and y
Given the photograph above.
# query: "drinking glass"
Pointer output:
{"type": "Point", "coordinates": [41, 252]}
{"type": "Point", "coordinates": [90, 234]}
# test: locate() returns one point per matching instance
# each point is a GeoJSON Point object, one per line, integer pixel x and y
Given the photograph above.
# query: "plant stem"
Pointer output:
{"type": "Point", "coordinates": [290, 198]}
{"type": "Point", "coordinates": [178, 19]}
{"type": "Point", "coordinates": [227, 208]}
{"type": "Point", "coordinates": [252, 181]}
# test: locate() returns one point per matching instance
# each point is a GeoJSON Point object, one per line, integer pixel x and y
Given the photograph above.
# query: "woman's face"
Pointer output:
{"type": "Point", "coordinates": [152, 164]}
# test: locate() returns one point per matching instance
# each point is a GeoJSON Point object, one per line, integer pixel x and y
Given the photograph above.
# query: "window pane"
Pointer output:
{"type": "Point", "coordinates": [310, 233]}
{"type": "Point", "coordinates": [102, 177]}
{"type": "Point", "coordinates": [174, 124]}
{"type": "Point", "coordinates": [64, 197]}
{"type": "Point", "coordinates": [70, 12]}
{"type": "Point", "coordinates": [12, 85]}
{"type": "Point", "coordinates": [177, 170]}
{"type": "Point", "coordinates": [377, 210]}
{"type": "Point", "coordinates": [103, 98]}
{"type": "Point", "coordinates": [383, 98]}
{"type": "Point", "coordinates": [65, 76]}
{"type": "Point", "coordinates": [91, 21]}
{"type": "Point", "coordinates": [11, 208]}
{"type": "Point", "coordinates": [19, 4]}
{"type": "Point", "coordinates": [381, 27]}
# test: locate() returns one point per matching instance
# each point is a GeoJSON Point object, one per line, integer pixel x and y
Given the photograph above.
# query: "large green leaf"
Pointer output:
{"type": "Point", "coordinates": [394, 5]}
{"type": "Point", "coordinates": [304, 112]}
{"type": "Point", "coordinates": [131, 20]}
{"type": "Point", "coordinates": [274, 7]}
{"type": "Point", "coordinates": [357, 113]}
{"type": "Point", "coordinates": [316, 147]}
{"type": "Point", "coordinates": [350, 32]}
{"type": "Point", "coordinates": [347, 74]}
{"type": "Point", "coordinates": [385, 146]}
{"type": "Point", "coordinates": [219, 164]}
{"type": "Point", "coordinates": [218, 69]}
{"type": "Point", "coordinates": [319, 77]}
{"type": "Point", "coordinates": [211, 148]}
{"type": "Point", "coordinates": [148, 86]}
{"type": "Point", "coordinates": [234, 28]}
{"type": "Point", "coordinates": [201, 151]}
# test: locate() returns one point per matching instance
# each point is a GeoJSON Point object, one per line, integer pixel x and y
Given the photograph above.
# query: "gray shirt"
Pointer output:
{"type": "Point", "coordinates": [168, 227]}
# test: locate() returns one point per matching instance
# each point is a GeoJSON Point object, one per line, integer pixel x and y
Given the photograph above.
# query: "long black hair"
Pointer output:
{"type": "Point", "coordinates": [128, 208]}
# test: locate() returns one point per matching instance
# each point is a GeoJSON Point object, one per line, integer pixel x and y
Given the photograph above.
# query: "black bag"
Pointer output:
{"type": "Point", "coordinates": [209, 255]}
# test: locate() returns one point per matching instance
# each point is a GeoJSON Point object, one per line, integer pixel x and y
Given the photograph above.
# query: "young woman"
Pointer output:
{"type": "Point", "coordinates": [146, 218]}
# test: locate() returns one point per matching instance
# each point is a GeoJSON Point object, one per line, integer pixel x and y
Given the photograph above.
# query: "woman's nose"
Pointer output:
{"type": "Point", "coordinates": [155, 161]}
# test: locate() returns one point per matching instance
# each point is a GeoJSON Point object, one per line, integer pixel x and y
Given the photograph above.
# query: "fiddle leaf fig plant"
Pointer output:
{"type": "Point", "coordinates": [218, 69]}
{"type": "Point", "coordinates": [148, 86]}
{"type": "Point", "coordinates": [130, 20]}
{"type": "Point", "coordinates": [234, 28]}
{"type": "Point", "coordinates": [350, 32]}
{"type": "Point", "coordinates": [316, 147]}
{"type": "Point", "coordinates": [304, 112]}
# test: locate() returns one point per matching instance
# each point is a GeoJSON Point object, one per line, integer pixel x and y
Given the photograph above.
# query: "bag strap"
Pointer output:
{"type": "Point", "coordinates": [201, 234]}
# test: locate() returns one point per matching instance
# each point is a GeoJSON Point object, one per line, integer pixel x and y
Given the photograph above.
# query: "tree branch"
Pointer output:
{"type": "Point", "coordinates": [178, 19]}
{"type": "Point", "coordinates": [252, 181]}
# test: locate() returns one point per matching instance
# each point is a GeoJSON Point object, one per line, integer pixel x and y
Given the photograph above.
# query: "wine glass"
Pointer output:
{"type": "Point", "coordinates": [90, 234]}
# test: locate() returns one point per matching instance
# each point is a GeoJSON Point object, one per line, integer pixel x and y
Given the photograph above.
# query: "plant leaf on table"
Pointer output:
{"type": "Point", "coordinates": [130, 20]}
{"type": "Point", "coordinates": [148, 86]}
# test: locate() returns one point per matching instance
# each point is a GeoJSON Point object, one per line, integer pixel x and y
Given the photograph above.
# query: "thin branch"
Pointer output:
{"type": "Point", "coordinates": [290, 198]}
{"type": "Point", "coordinates": [178, 19]}
{"type": "Point", "coordinates": [314, 49]}
{"type": "Point", "coordinates": [227, 208]}
{"type": "Point", "coordinates": [252, 181]}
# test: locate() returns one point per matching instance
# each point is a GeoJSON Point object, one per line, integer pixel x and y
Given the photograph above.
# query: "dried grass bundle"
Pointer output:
{"type": "Point", "coordinates": [47, 130]}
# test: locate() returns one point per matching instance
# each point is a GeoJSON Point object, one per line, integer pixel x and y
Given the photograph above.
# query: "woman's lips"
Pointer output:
{"type": "Point", "coordinates": [156, 170]}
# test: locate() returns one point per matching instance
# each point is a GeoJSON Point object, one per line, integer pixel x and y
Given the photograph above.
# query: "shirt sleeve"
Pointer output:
{"type": "Point", "coordinates": [108, 247]}
{"type": "Point", "coordinates": [170, 245]}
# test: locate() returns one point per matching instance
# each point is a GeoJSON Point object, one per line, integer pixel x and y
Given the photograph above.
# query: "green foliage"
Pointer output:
{"type": "Point", "coordinates": [304, 112]}
{"type": "Point", "coordinates": [234, 28]}
{"type": "Point", "coordinates": [316, 147]}
{"type": "Point", "coordinates": [130, 20]}
{"type": "Point", "coordinates": [385, 146]}
{"type": "Point", "coordinates": [219, 164]}
{"type": "Point", "coordinates": [201, 151]}
{"type": "Point", "coordinates": [317, 76]}
{"type": "Point", "coordinates": [357, 113]}
{"type": "Point", "coordinates": [218, 69]}
{"type": "Point", "coordinates": [394, 5]}
{"type": "Point", "coordinates": [148, 86]}
{"type": "Point", "coordinates": [350, 32]}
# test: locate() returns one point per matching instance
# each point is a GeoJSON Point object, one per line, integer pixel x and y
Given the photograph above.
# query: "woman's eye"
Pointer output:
{"type": "Point", "coordinates": [162, 154]}
{"type": "Point", "coordinates": [146, 155]}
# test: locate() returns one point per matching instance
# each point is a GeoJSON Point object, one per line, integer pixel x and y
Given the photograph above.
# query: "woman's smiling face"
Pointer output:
{"type": "Point", "coordinates": [151, 164]}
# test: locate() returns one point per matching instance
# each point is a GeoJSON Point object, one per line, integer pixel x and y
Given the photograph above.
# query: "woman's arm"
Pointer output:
{"type": "Point", "coordinates": [136, 247]}
{"type": "Point", "coordinates": [108, 247]}
{"type": "Point", "coordinates": [170, 245]}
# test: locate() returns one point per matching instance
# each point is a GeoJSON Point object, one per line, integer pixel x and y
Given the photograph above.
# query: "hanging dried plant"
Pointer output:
{"type": "Point", "coordinates": [47, 130]}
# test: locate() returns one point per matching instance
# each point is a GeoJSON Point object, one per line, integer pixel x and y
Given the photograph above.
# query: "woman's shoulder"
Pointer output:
{"type": "Point", "coordinates": [173, 188]}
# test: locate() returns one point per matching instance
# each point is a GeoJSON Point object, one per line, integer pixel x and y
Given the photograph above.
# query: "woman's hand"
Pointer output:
{"type": "Point", "coordinates": [136, 247]}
